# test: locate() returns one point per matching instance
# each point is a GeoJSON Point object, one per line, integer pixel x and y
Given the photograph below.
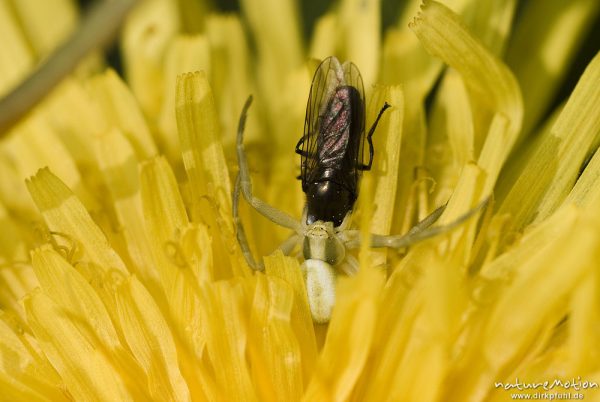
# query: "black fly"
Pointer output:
{"type": "Point", "coordinates": [332, 147]}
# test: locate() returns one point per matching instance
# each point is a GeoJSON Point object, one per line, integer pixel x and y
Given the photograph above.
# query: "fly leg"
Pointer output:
{"type": "Point", "coordinates": [362, 166]}
{"type": "Point", "coordinates": [299, 150]}
{"type": "Point", "coordinates": [273, 214]}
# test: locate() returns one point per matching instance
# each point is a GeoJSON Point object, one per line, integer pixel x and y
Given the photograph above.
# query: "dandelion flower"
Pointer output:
{"type": "Point", "coordinates": [121, 275]}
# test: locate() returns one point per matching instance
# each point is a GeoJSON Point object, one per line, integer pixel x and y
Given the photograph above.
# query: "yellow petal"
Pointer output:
{"type": "Point", "coordinates": [15, 56]}
{"type": "Point", "coordinates": [121, 110]}
{"type": "Point", "coordinates": [150, 341]}
{"type": "Point", "coordinates": [274, 350]}
{"type": "Point", "coordinates": [227, 340]}
{"type": "Point", "coordinates": [419, 75]}
{"type": "Point", "coordinates": [36, 145]}
{"type": "Point", "coordinates": [184, 54]}
{"type": "Point", "coordinates": [78, 299]}
{"type": "Point", "coordinates": [457, 131]}
{"type": "Point", "coordinates": [386, 163]}
{"type": "Point", "coordinates": [119, 166]}
{"type": "Point", "coordinates": [194, 13]}
{"type": "Point", "coordinates": [168, 225]}
{"type": "Point", "coordinates": [16, 281]}
{"type": "Point", "coordinates": [323, 38]}
{"type": "Point", "coordinates": [288, 269]}
{"type": "Point", "coordinates": [469, 191]}
{"type": "Point", "coordinates": [578, 125]}
{"type": "Point", "coordinates": [349, 337]}
{"type": "Point", "coordinates": [444, 36]}
{"type": "Point", "coordinates": [276, 31]}
{"type": "Point", "coordinates": [46, 24]}
{"type": "Point", "coordinates": [12, 244]}
{"type": "Point", "coordinates": [360, 36]}
{"type": "Point", "coordinates": [23, 374]}
{"type": "Point", "coordinates": [145, 37]}
{"type": "Point", "coordinates": [491, 22]}
{"type": "Point", "coordinates": [583, 326]}
{"type": "Point", "coordinates": [199, 133]}
{"type": "Point", "coordinates": [451, 142]}
{"type": "Point", "coordinates": [587, 190]}
{"type": "Point", "coordinates": [542, 284]}
{"type": "Point", "coordinates": [549, 174]}
{"type": "Point", "coordinates": [64, 214]}
{"type": "Point", "coordinates": [163, 207]}
{"type": "Point", "coordinates": [164, 213]}
{"type": "Point", "coordinates": [76, 117]}
{"type": "Point", "coordinates": [542, 48]}
{"type": "Point", "coordinates": [230, 73]}
{"type": "Point", "coordinates": [206, 168]}
{"type": "Point", "coordinates": [71, 353]}
{"type": "Point", "coordinates": [183, 253]}
{"type": "Point", "coordinates": [417, 328]}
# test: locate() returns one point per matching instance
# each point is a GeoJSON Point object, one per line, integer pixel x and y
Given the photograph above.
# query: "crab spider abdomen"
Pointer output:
{"type": "Point", "coordinates": [320, 279]}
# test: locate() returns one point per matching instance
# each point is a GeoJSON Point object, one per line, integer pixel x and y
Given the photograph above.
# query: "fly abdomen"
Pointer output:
{"type": "Point", "coordinates": [339, 136]}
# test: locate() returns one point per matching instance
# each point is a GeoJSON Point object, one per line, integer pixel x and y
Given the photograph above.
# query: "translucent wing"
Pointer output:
{"type": "Point", "coordinates": [326, 79]}
{"type": "Point", "coordinates": [353, 78]}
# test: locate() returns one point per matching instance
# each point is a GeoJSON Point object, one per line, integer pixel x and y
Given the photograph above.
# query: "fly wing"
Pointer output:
{"type": "Point", "coordinates": [327, 78]}
{"type": "Point", "coordinates": [356, 152]}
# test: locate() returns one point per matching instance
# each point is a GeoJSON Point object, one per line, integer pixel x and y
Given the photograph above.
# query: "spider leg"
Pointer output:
{"type": "Point", "coordinates": [240, 232]}
{"type": "Point", "coordinates": [349, 266]}
{"type": "Point", "coordinates": [421, 231]}
{"type": "Point", "coordinates": [273, 214]}
{"type": "Point", "coordinates": [288, 245]}
{"type": "Point", "coordinates": [427, 221]}
{"type": "Point", "coordinates": [351, 238]}
{"type": "Point", "coordinates": [424, 231]}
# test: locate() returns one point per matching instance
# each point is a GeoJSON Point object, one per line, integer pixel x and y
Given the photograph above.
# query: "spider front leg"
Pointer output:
{"type": "Point", "coordinates": [289, 244]}
{"type": "Point", "coordinates": [241, 233]}
{"type": "Point", "coordinates": [273, 214]}
{"type": "Point", "coordinates": [243, 184]}
{"type": "Point", "coordinates": [286, 247]}
{"type": "Point", "coordinates": [421, 231]}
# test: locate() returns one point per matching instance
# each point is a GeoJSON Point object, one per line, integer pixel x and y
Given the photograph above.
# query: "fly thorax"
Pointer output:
{"type": "Point", "coordinates": [321, 243]}
{"type": "Point", "coordinates": [327, 200]}
{"type": "Point", "coordinates": [319, 278]}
